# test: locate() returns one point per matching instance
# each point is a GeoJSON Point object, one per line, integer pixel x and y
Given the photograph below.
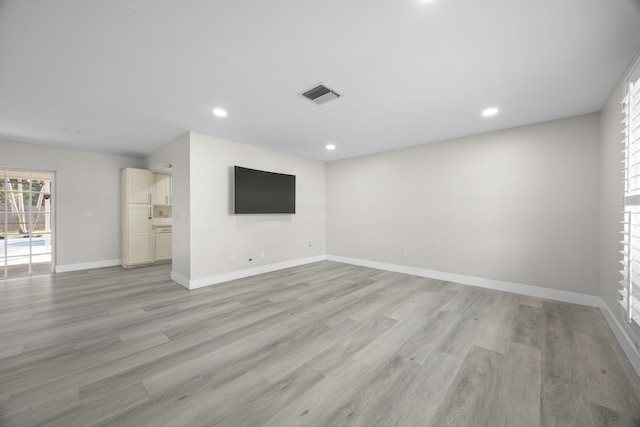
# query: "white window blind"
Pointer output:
{"type": "Point", "coordinates": [630, 282]}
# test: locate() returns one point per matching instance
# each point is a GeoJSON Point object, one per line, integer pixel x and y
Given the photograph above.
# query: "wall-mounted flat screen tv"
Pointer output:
{"type": "Point", "coordinates": [261, 192]}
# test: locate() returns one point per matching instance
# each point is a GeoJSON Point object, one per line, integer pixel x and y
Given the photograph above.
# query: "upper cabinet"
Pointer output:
{"type": "Point", "coordinates": [162, 189]}
{"type": "Point", "coordinates": [139, 184]}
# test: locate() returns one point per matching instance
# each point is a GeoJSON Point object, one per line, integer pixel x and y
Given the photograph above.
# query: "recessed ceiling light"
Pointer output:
{"type": "Point", "coordinates": [490, 112]}
{"type": "Point", "coordinates": [331, 147]}
{"type": "Point", "coordinates": [219, 112]}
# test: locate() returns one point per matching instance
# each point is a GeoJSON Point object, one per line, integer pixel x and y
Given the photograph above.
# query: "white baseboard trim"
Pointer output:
{"type": "Point", "coordinates": [180, 279]}
{"type": "Point", "coordinates": [618, 330]}
{"type": "Point", "coordinates": [241, 274]}
{"type": "Point", "coordinates": [499, 285]}
{"type": "Point", "coordinates": [87, 265]}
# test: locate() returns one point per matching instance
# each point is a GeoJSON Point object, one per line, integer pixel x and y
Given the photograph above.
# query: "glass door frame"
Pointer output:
{"type": "Point", "coordinates": [6, 212]}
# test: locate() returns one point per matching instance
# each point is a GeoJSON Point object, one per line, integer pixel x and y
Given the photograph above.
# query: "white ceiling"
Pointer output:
{"type": "Point", "coordinates": [128, 76]}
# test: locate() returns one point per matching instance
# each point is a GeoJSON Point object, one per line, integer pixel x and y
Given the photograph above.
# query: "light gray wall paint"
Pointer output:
{"type": "Point", "coordinates": [519, 205]}
{"type": "Point", "coordinates": [215, 232]}
{"type": "Point", "coordinates": [611, 191]}
{"type": "Point", "coordinates": [86, 183]}
{"type": "Point", "coordinates": [177, 154]}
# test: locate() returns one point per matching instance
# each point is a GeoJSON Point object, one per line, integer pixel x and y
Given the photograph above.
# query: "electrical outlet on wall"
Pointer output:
{"type": "Point", "coordinates": [232, 257]}
{"type": "Point", "coordinates": [405, 253]}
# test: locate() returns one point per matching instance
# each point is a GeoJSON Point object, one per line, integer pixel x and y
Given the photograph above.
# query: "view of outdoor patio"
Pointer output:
{"type": "Point", "coordinates": [26, 229]}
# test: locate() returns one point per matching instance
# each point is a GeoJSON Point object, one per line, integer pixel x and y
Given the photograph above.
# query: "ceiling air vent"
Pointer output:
{"type": "Point", "coordinates": [320, 94]}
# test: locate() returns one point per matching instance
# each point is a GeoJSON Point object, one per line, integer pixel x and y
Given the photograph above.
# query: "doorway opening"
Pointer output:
{"type": "Point", "coordinates": [26, 223]}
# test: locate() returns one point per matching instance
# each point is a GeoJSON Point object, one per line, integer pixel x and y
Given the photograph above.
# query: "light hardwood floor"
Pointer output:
{"type": "Point", "coordinates": [325, 344]}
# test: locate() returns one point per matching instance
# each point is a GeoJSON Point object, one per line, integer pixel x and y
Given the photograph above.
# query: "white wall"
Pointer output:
{"type": "Point", "coordinates": [611, 191]}
{"type": "Point", "coordinates": [86, 183]}
{"type": "Point", "coordinates": [177, 155]}
{"type": "Point", "coordinates": [517, 205]}
{"type": "Point", "coordinates": [216, 232]}
{"type": "Point", "coordinates": [203, 183]}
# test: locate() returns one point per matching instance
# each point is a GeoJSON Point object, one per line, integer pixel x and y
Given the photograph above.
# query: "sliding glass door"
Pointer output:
{"type": "Point", "coordinates": [26, 222]}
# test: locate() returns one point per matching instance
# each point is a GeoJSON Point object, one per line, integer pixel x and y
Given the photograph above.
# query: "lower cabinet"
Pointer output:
{"type": "Point", "coordinates": [163, 238]}
{"type": "Point", "coordinates": [136, 235]}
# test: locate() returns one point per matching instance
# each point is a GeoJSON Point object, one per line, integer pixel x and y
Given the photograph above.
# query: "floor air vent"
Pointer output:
{"type": "Point", "coordinates": [320, 94]}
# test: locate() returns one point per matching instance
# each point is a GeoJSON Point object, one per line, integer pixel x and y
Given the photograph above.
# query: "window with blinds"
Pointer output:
{"type": "Point", "coordinates": [630, 282]}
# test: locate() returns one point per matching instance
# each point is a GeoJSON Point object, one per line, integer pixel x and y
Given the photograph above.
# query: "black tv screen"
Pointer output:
{"type": "Point", "coordinates": [261, 192]}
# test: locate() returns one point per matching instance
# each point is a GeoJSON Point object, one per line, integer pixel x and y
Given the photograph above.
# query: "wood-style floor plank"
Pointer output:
{"type": "Point", "coordinates": [471, 398]}
{"type": "Point", "coordinates": [325, 344]}
{"type": "Point", "coordinates": [527, 328]}
{"type": "Point", "coordinates": [519, 393]}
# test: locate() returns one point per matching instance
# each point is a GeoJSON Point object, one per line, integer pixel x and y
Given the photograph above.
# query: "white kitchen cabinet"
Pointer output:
{"type": "Point", "coordinates": [161, 189]}
{"type": "Point", "coordinates": [137, 237]}
{"type": "Point", "coordinates": [139, 225]}
{"type": "Point", "coordinates": [163, 243]}
{"type": "Point", "coordinates": [139, 184]}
